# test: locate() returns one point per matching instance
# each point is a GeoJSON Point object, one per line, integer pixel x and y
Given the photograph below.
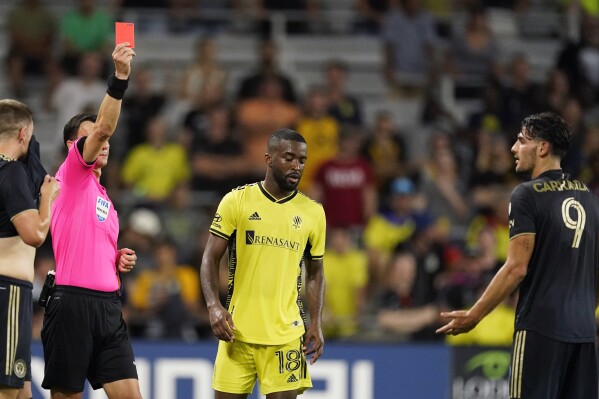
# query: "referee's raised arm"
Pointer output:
{"type": "Point", "coordinates": [110, 109]}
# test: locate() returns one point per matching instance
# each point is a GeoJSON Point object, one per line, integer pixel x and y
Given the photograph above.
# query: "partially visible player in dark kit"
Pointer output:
{"type": "Point", "coordinates": [553, 258]}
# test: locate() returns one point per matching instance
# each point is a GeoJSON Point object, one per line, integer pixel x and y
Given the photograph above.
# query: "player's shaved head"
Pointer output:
{"type": "Point", "coordinates": [283, 134]}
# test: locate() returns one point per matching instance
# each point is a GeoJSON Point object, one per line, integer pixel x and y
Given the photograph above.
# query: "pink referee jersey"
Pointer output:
{"type": "Point", "coordinates": [84, 228]}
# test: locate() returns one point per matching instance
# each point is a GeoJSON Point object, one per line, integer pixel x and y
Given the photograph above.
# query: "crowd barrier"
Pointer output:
{"type": "Point", "coordinates": [176, 370]}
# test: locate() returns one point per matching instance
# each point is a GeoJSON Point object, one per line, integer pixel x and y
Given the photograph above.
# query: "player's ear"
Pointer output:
{"type": "Point", "coordinates": [268, 159]}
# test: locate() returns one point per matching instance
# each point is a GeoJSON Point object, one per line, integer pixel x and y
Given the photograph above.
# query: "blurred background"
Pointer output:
{"type": "Point", "coordinates": [409, 108]}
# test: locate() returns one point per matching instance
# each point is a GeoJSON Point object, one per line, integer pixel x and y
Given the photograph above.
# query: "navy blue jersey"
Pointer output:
{"type": "Point", "coordinates": [17, 194]}
{"type": "Point", "coordinates": [558, 295]}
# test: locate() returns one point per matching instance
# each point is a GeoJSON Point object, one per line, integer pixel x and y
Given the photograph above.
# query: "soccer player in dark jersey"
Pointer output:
{"type": "Point", "coordinates": [271, 230]}
{"type": "Point", "coordinates": [553, 258]}
{"type": "Point", "coordinates": [24, 224]}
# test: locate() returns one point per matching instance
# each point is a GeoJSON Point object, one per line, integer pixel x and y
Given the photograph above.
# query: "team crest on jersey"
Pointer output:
{"type": "Point", "coordinates": [296, 222]}
{"type": "Point", "coordinates": [20, 368]}
{"type": "Point", "coordinates": [102, 208]}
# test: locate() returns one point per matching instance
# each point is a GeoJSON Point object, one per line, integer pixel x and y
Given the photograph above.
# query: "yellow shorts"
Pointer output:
{"type": "Point", "coordinates": [278, 368]}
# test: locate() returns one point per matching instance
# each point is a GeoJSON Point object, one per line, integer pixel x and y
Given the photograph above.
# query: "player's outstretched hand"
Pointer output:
{"type": "Point", "coordinates": [122, 56]}
{"type": "Point", "coordinates": [222, 325]}
{"type": "Point", "coordinates": [461, 321]}
{"type": "Point", "coordinates": [313, 342]}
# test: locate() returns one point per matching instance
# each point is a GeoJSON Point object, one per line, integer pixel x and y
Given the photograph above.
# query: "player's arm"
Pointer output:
{"type": "Point", "coordinates": [110, 108]}
{"type": "Point", "coordinates": [221, 320]}
{"type": "Point", "coordinates": [33, 224]}
{"type": "Point", "coordinates": [314, 342]}
{"type": "Point", "coordinates": [506, 280]}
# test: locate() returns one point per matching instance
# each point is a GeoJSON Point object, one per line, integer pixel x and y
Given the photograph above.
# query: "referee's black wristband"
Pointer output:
{"type": "Point", "coordinates": [116, 87]}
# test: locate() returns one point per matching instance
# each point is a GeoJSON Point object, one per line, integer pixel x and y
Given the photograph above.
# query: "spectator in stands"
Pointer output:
{"type": "Point", "coordinates": [80, 93]}
{"type": "Point", "coordinates": [521, 97]}
{"type": "Point", "coordinates": [473, 56]}
{"type": "Point", "coordinates": [580, 62]}
{"type": "Point", "coordinates": [166, 299]}
{"type": "Point", "coordinates": [217, 158]}
{"type": "Point", "coordinates": [409, 37]}
{"type": "Point", "coordinates": [346, 271]}
{"type": "Point", "coordinates": [141, 231]}
{"type": "Point", "coordinates": [203, 71]}
{"type": "Point", "coordinates": [143, 103]}
{"type": "Point", "coordinates": [386, 151]}
{"type": "Point", "coordinates": [370, 14]}
{"type": "Point", "coordinates": [32, 29]}
{"type": "Point", "coordinates": [153, 169]}
{"type": "Point", "coordinates": [405, 312]}
{"type": "Point", "coordinates": [488, 118]}
{"type": "Point", "coordinates": [573, 113]}
{"type": "Point", "coordinates": [84, 29]}
{"type": "Point", "coordinates": [182, 218]}
{"type": "Point", "coordinates": [489, 229]}
{"type": "Point", "coordinates": [268, 69]}
{"type": "Point", "coordinates": [393, 226]}
{"type": "Point", "coordinates": [556, 91]}
{"type": "Point", "coordinates": [347, 109]}
{"type": "Point", "coordinates": [444, 187]}
{"type": "Point", "coordinates": [321, 132]}
{"type": "Point", "coordinates": [258, 116]}
{"type": "Point", "coordinates": [195, 119]}
{"type": "Point", "coordinates": [494, 162]}
{"type": "Point", "coordinates": [345, 185]}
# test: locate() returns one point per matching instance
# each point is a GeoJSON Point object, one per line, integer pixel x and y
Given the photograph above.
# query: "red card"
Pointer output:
{"type": "Point", "coordinates": [124, 32]}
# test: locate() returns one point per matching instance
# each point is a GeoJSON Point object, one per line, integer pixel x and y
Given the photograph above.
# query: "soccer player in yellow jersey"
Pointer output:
{"type": "Point", "coordinates": [271, 230]}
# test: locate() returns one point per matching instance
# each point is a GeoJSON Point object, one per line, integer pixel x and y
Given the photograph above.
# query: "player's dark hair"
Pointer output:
{"type": "Point", "coordinates": [69, 132]}
{"type": "Point", "coordinates": [283, 134]}
{"type": "Point", "coordinates": [549, 127]}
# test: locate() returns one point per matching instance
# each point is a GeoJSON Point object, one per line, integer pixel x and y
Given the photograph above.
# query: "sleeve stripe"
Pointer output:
{"type": "Point", "coordinates": [521, 234]}
{"type": "Point", "coordinates": [219, 234]}
{"type": "Point", "coordinates": [316, 257]}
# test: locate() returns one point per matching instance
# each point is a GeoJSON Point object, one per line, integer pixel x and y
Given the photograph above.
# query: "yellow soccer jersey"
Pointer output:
{"type": "Point", "coordinates": [268, 239]}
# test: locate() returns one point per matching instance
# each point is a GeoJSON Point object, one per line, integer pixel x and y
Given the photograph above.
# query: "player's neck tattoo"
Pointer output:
{"type": "Point", "coordinates": [6, 158]}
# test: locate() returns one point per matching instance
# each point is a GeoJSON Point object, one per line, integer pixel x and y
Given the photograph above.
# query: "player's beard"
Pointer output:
{"type": "Point", "coordinates": [282, 182]}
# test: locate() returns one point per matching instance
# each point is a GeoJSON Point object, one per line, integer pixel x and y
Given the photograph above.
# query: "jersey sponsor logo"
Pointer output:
{"type": "Point", "coordinates": [251, 238]}
{"type": "Point", "coordinates": [255, 216]}
{"type": "Point", "coordinates": [292, 378]}
{"type": "Point", "coordinates": [296, 222]}
{"type": "Point", "coordinates": [216, 221]}
{"type": "Point", "coordinates": [102, 208]}
{"type": "Point", "coordinates": [559, 185]}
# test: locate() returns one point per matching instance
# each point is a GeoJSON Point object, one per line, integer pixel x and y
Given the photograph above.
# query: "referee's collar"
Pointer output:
{"type": "Point", "coordinates": [273, 199]}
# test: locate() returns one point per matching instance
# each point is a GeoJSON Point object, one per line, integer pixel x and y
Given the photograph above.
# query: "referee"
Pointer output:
{"type": "Point", "coordinates": [84, 335]}
{"type": "Point", "coordinates": [553, 257]}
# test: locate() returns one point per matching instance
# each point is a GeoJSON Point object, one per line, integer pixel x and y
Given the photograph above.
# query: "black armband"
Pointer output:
{"type": "Point", "coordinates": [116, 87]}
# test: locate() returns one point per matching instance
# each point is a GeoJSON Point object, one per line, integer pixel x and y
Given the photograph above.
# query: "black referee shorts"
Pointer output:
{"type": "Point", "coordinates": [15, 336]}
{"type": "Point", "coordinates": [84, 336]}
{"type": "Point", "coordinates": [543, 368]}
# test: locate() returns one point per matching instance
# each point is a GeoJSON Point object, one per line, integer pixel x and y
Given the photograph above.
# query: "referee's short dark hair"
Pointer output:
{"type": "Point", "coordinates": [69, 132]}
{"type": "Point", "coordinates": [549, 127]}
{"type": "Point", "coordinates": [283, 134]}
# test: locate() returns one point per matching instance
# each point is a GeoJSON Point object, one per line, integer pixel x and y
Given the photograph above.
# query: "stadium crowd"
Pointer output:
{"type": "Point", "coordinates": [417, 216]}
